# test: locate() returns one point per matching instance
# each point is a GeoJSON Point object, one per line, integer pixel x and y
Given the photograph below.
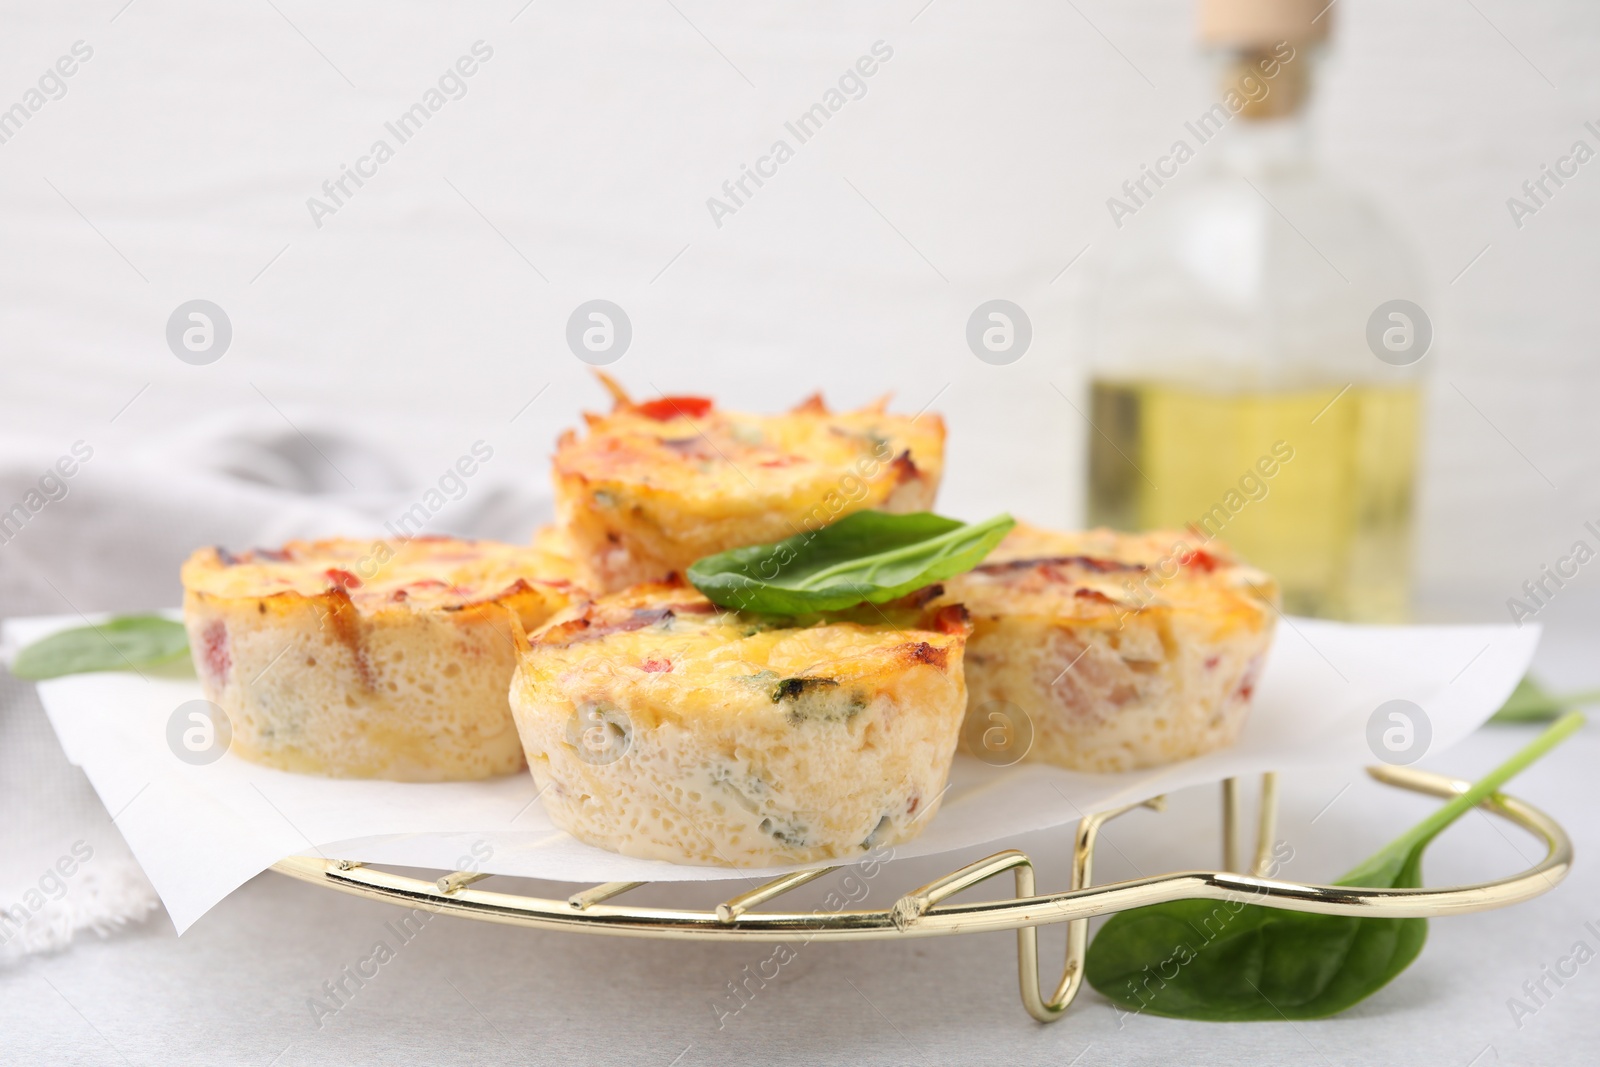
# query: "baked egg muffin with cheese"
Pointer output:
{"type": "Point", "coordinates": [1101, 651]}
{"type": "Point", "coordinates": [370, 659]}
{"type": "Point", "coordinates": [661, 726]}
{"type": "Point", "coordinates": [652, 487]}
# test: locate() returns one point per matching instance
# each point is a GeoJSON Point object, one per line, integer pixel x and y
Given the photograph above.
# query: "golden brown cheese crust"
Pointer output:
{"type": "Point", "coordinates": [1113, 651]}
{"type": "Point", "coordinates": [370, 659]}
{"type": "Point", "coordinates": [660, 726]}
{"type": "Point", "coordinates": [651, 488]}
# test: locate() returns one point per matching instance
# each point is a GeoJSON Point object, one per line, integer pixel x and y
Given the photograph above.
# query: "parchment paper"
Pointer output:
{"type": "Point", "coordinates": [202, 831]}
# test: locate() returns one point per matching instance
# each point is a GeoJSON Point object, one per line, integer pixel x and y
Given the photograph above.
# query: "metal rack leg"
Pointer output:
{"type": "Point", "coordinates": [911, 907]}
{"type": "Point", "coordinates": [1266, 823]}
{"type": "Point", "coordinates": [1233, 824]}
{"type": "Point", "coordinates": [1050, 1010]}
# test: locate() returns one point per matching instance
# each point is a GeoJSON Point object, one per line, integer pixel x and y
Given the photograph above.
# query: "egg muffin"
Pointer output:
{"type": "Point", "coordinates": [1101, 651]}
{"type": "Point", "coordinates": [661, 726]}
{"type": "Point", "coordinates": [370, 659]}
{"type": "Point", "coordinates": [654, 486]}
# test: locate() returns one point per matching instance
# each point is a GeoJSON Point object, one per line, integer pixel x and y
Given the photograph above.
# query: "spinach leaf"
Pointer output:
{"type": "Point", "coordinates": [868, 556]}
{"type": "Point", "coordinates": [124, 643]}
{"type": "Point", "coordinates": [1230, 961]}
{"type": "Point", "coordinates": [1531, 702]}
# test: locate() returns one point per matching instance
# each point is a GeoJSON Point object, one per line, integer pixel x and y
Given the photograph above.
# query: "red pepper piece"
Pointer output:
{"type": "Point", "coordinates": [343, 579]}
{"type": "Point", "coordinates": [670, 407]}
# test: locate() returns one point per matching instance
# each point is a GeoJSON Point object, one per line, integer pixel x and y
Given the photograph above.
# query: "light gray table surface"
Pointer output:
{"type": "Point", "coordinates": [236, 988]}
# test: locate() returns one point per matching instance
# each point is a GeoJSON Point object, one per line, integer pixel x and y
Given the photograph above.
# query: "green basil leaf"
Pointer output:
{"type": "Point", "coordinates": [1531, 702]}
{"type": "Point", "coordinates": [868, 556]}
{"type": "Point", "coordinates": [1231, 961]}
{"type": "Point", "coordinates": [125, 643]}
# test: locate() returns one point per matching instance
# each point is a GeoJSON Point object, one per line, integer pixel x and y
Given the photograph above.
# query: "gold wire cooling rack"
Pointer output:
{"type": "Point", "coordinates": [928, 912]}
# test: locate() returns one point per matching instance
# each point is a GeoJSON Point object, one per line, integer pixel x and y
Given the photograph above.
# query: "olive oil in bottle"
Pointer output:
{"type": "Point", "coordinates": [1234, 389]}
{"type": "Point", "coordinates": [1312, 485]}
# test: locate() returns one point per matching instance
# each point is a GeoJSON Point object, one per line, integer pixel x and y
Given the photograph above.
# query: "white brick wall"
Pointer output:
{"type": "Point", "coordinates": [194, 136]}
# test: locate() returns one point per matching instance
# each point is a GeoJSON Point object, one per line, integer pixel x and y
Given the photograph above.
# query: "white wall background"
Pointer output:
{"type": "Point", "coordinates": [589, 143]}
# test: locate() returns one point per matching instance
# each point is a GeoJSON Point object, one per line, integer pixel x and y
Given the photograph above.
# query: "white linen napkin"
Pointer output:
{"type": "Point", "coordinates": [110, 536]}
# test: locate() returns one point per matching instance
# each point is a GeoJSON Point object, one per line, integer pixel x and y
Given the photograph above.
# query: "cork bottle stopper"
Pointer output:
{"type": "Point", "coordinates": [1247, 24]}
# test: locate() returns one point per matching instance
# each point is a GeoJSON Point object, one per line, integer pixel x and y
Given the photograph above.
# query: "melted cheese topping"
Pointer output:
{"type": "Point", "coordinates": [682, 650]}
{"type": "Point", "coordinates": [726, 460]}
{"type": "Point", "coordinates": [1106, 576]}
{"type": "Point", "coordinates": [421, 574]}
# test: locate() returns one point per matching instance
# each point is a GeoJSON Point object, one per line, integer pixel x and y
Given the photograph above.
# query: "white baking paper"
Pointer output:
{"type": "Point", "coordinates": [201, 832]}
